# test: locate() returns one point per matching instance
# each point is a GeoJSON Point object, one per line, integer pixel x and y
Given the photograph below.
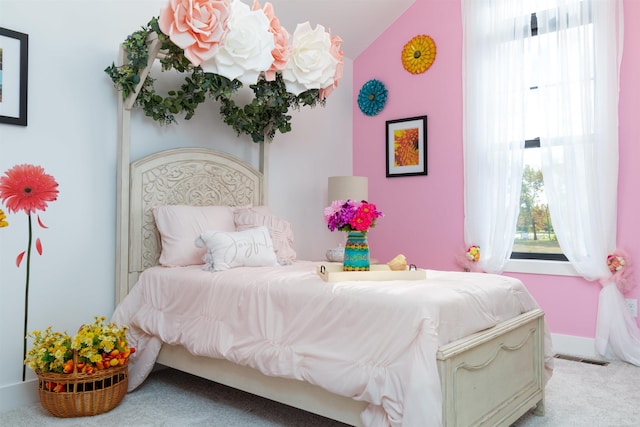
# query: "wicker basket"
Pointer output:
{"type": "Point", "coordinates": [83, 394]}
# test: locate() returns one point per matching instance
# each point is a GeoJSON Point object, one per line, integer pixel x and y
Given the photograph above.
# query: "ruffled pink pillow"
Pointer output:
{"type": "Point", "coordinates": [279, 229]}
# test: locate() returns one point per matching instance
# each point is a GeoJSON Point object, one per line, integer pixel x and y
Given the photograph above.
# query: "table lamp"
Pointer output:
{"type": "Point", "coordinates": [345, 188]}
{"type": "Point", "coordinates": [348, 187]}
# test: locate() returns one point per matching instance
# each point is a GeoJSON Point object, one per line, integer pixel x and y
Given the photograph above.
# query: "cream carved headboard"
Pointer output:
{"type": "Point", "coordinates": [195, 176]}
{"type": "Point", "coordinates": [187, 176]}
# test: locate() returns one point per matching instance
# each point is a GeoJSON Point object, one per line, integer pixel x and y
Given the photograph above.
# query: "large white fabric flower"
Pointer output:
{"type": "Point", "coordinates": [311, 64]}
{"type": "Point", "coordinates": [246, 49]}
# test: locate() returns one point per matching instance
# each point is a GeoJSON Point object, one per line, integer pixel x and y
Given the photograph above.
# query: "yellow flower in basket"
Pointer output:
{"type": "Point", "coordinates": [83, 375]}
{"type": "Point", "coordinates": [96, 347]}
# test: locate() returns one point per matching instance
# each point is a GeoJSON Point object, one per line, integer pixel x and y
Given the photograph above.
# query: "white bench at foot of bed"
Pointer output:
{"type": "Point", "coordinates": [490, 378]}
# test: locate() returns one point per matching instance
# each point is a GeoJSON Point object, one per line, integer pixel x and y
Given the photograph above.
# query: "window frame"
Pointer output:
{"type": "Point", "coordinates": [535, 143]}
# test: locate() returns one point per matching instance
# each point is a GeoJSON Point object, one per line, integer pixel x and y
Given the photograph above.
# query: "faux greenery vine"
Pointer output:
{"type": "Point", "coordinates": [261, 118]}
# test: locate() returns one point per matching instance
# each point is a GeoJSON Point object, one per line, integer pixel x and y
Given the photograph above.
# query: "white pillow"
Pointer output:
{"type": "Point", "coordinates": [279, 230]}
{"type": "Point", "coordinates": [248, 248]}
{"type": "Point", "coordinates": [179, 225]}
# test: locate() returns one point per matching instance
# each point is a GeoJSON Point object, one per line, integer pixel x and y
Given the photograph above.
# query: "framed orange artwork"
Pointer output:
{"type": "Point", "coordinates": [407, 146]}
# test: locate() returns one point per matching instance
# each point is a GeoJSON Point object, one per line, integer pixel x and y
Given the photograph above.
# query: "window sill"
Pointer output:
{"type": "Point", "coordinates": [535, 266]}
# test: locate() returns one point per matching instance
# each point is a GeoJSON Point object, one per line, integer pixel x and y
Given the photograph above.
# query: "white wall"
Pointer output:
{"type": "Point", "coordinates": [71, 132]}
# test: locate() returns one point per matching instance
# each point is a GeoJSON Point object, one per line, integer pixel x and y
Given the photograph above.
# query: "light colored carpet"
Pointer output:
{"type": "Point", "coordinates": [578, 394]}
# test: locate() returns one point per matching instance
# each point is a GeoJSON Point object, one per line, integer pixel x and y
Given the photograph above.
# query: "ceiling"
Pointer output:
{"type": "Point", "coordinates": [357, 22]}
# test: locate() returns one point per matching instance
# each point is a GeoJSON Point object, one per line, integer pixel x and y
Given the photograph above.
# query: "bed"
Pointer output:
{"type": "Point", "coordinates": [490, 370]}
{"type": "Point", "coordinates": [488, 375]}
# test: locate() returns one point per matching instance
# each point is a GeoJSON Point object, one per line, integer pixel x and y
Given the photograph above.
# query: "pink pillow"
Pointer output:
{"type": "Point", "coordinates": [262, 209]}
{"type": "Point", "coordinates": [180, 225]}
{"type": "Point", "coordinates": [279, 230]}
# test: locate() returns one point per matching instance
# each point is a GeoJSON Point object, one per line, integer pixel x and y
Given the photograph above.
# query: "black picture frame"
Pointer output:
{"type": "Point", "coordinates": [14, 65]}
{"type": "Point", "coordinates": [406, 146]}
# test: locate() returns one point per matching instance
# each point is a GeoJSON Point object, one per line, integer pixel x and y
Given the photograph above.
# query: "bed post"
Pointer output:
{"type": "Point", "coordinates": [122, 170]}
{"type": "Point", "coordinates": [264, 168]}
{"type": "Point", "coordinates": [122, 193]}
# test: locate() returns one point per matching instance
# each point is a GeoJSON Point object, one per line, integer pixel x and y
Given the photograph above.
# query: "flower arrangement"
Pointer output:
{"type": "Point", "coordinates": [27, 188]}
{"type": "Point", "coordinates": [99, 346]}
{"type": "Point", "coordinates": [350, 215]}
{"type": "Point", "coordinates": [224, 44]}
{"type": "Point", "coordinates": [469, 260]}
{"type": "Point", "coordinates": [619, 265]}
{"type": "Point", "coordinates": [473, 253]}
{"type": "Point", "coordinates": [615, 263]}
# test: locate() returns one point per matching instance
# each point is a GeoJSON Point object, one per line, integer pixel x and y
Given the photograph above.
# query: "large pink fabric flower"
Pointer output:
{"type": "Point", "coordinates": [282, 48]}
{"type": "Point", "coordinates": [196, 26]}
{"type": "Point", "coordinates": [337, 53]}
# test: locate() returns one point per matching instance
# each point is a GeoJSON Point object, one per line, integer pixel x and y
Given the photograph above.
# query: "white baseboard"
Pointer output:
{"type": "Point", "coordinates": [20, 394]}
{"type": "Point", "coordinates": [575, 346]}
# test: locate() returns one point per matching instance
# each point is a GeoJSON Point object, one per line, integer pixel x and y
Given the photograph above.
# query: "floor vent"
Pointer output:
{"type": "Point", "coordinates": [581, 359]}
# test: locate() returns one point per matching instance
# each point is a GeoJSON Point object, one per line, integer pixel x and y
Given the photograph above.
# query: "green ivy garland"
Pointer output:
{"type": "Point", "coordinates": [262, 117]}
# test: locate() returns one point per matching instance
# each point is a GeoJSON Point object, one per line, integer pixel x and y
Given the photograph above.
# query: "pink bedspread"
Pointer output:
{"type": "Point", "coordinates": [371, 341]}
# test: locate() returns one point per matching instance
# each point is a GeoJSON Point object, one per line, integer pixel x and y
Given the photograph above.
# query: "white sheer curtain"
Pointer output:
{"type": "Point", "coordinates": [493, 82]}
{"type": "Point", "coordinates": [580, 44]}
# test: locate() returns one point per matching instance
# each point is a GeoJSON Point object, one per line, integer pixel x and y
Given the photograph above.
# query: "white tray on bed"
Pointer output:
{"type": "Point", "coordinates": [332, 272]}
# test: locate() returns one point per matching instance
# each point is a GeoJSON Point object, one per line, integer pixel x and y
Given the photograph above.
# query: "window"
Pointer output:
{"type": "Point", "coordinates": [535, 236]}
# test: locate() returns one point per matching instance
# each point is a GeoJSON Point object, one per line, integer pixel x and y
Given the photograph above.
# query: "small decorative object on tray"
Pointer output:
{"type": "Point", "coordinates": [398, 263]}
{"type": "Point", "coordinates": [84, 375]}
{"type": "Point", "coordinates": [335, 254]}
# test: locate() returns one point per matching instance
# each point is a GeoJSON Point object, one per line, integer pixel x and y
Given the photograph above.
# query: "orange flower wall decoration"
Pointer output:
{"type": "Point", "coordinates": [27, 188]}
{"type": "Point", "coordinates": [418, 54]}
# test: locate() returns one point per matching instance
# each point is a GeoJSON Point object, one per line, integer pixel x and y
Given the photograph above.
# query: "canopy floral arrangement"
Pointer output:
{"type": "Point", "coordinates": [224, 44]}
{"type": "Point", "coordinates": [350, 215]}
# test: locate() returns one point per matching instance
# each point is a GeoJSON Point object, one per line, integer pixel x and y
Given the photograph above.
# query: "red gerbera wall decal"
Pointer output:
{"type": "Point", "coordinates": [27, 188]}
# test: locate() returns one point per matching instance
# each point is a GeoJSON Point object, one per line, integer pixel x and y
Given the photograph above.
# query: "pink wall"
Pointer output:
{"type": "Point", "coordinates": [424, 214]}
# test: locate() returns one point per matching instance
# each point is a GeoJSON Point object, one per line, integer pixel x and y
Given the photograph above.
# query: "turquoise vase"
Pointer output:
{"type": "Point", "coordinates": [356, 252]}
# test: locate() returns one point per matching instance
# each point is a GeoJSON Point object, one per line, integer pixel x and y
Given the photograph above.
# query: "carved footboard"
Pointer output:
{"type": "Point", "coordinates": [494, 377]}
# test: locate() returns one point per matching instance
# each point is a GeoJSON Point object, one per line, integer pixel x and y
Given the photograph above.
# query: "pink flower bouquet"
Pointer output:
{"type": "Point", "coordinates": [349, 215]}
